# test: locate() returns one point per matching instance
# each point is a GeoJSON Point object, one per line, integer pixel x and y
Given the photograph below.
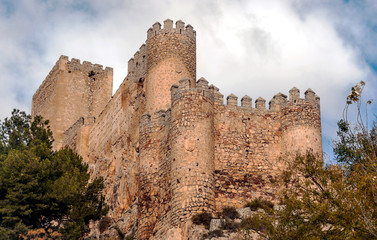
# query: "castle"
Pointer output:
{"type": "Point", "coordinates": [167, 145]}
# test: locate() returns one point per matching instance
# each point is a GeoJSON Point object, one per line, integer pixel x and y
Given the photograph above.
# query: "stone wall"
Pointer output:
{"type": "Point", "coordinates": [246, 155]}
{"type": "Point", "coordinates": [113, 145]}
{"type": "Point", "coordinates": [154, 174]}
{"type": "Point", "coordinates": [253, 145]}
{"type": "Point", "coordinates": [72, 90]}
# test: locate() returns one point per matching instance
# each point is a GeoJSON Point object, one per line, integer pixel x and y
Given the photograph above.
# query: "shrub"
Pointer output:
{"type": "Point", "coordinates": [213, 234]}
{"type": "Point", "coordinates": [260, 203]}
{"type": "Point", "coordinates": [230, 225]}
{"type": "Point", "coordinates": [230, 212]}
{"type": "Point", "coordinates": [203, 218]}
{"type": "Point", "coordinates": [255, 223]}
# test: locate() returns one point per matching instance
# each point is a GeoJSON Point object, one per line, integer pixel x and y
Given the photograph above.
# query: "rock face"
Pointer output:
{"type": "Point", "coordinates": [166, 145]}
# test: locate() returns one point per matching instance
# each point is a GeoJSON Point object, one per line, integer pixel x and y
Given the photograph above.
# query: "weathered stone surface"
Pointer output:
{"type": "Point", "coordinates": [216, 224]}
{"type": "Point", "coordinates": [166, 145]}
{"type": "Point", "coordinates": [174, 234]}
{"type": "Point", "coordinates": [245, 212]}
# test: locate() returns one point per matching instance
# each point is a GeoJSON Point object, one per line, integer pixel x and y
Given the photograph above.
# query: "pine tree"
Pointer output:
{"type": "Point", "coordinates": [40, 187]}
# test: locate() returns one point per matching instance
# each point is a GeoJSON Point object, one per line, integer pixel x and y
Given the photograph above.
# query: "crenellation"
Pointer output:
{"type": "Point", "coordinates": [278, 102]}
{"type": "Point", "coordinates": [168, 146]}
{"type": "Point", "coordinates": [260, 104]}
{"type": "Point", "coordinates": [219, 98]}
{"type": "Point", "coordinates": [190, 31]}
{"type": "Point", "coordinates": [137, 58]}
{"type": "Point", "coordinates": [75, 61]}
{"type": "Point", "coordinates": [87, 64]}
{"type": "Point", "coordinates": [60, 64]}
{"type": "Point", "coordinates": [246, 103]}
{"type": "Point", "coordinates": [109, 70]}
{"type": "Point", "coordinates": [168, 25]}
{"type": "Point", "coordinates": [150, 33]}
{"type": "Point", "coordinates": [202, 83]}
{"type": "Point", "coordinates": [310, 96]}
{"type": "Point", "coordinates": [63, 57]}
{"type": "Point", "coordinates": [156, 27]}
{"type": "Point", "coordinates": [231, 100]}
{"type": "Point", "coordinates": [98, 67]}
{"type": "Point", "coordinates": [180, 25]}
{"type": "Point", "coordinates": [77, 65]}
{"type": "Point", "coordinates": [294, 94]}
{"type": "Point", "coordinates": [137, 64]}
{"type": "Point", "coordinates": [142, 50]}
{"type": "Point", "coordinates": [184, 84]}
{"type": "Point", "coordinates": [131, 66]}
{"type": "Point", "coordinates": [180, 28]}
{"type": "Point", "coordinates": [317, 100]}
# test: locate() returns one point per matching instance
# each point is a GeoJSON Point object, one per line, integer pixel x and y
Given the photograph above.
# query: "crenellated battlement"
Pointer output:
{"type": "Point", "coordinates": [186, 88]}
{"type": "Point", "coordinates": [180, 28]}
{"type": "Point", "coordinates": [278, 102]}
{"type": "Point", "coordinates": [137, 64]}
{"type": "Point", "coordinates": [158, 118]}
{"type": "Point", "coordinates": [75, 64]}
{"type": "Point", "coordinates": [63, 64]}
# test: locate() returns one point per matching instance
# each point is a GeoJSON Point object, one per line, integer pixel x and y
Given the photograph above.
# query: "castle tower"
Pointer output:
{"type": "Point", "coordinates": [301, 122]}
{"type": "Point", "coordinates": [171, 55]}
{"type": "Point", "coordinates": [192, 150]}
{"type": "Point", "coordinates": [72, 90]}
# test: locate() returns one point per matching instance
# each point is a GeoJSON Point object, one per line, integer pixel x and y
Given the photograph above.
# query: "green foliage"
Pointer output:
{"type": "Point", "coordinates": [257, 223]}
{"type": "Point", "coordinates": [40, 186]}
{"type": "Point", "coordinates": [334, 201]}
{"type": "Point", "coordinates": [257, 203]}
{"type": "Point", "coordinates": [318, 204]}
{"type": "Point", "coordinates": [230, 225]}
{"type": "Point", "coordinates": [213, 234]}
{"type": "Point", "coordinates": [203, 218]}
{"type": "Point", "coordinates": [230, 212]}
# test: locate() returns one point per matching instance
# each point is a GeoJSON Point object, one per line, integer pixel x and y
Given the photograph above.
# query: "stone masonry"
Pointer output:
{"type": "Point", "coordinates": [167, 145]}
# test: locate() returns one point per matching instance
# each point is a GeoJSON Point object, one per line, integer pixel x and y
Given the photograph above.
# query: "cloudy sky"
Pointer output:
{"type": "Point", "coordinates": [252, 47]}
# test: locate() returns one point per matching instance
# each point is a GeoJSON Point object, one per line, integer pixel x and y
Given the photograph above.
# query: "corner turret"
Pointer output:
{"type": "Point", "coordinates": [192, 150]}
{"type": "Point", "coordinates": [301, 123]}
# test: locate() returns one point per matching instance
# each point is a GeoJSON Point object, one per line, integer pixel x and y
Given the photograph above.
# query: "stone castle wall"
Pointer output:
{"type": "Point", "coordinates": [252, 144]}
{"type": "Point", "coordinates": [166, 145]}
{"type": "Point", "coordinates": [72, 90]}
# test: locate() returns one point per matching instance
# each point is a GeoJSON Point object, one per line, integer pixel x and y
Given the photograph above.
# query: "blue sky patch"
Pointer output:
{"type": "Point", "coordinates": [7, 7]}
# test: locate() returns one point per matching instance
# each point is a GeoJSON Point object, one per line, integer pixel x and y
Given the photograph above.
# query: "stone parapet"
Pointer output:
{"type": "Point", "coordinates": [180, 28]}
